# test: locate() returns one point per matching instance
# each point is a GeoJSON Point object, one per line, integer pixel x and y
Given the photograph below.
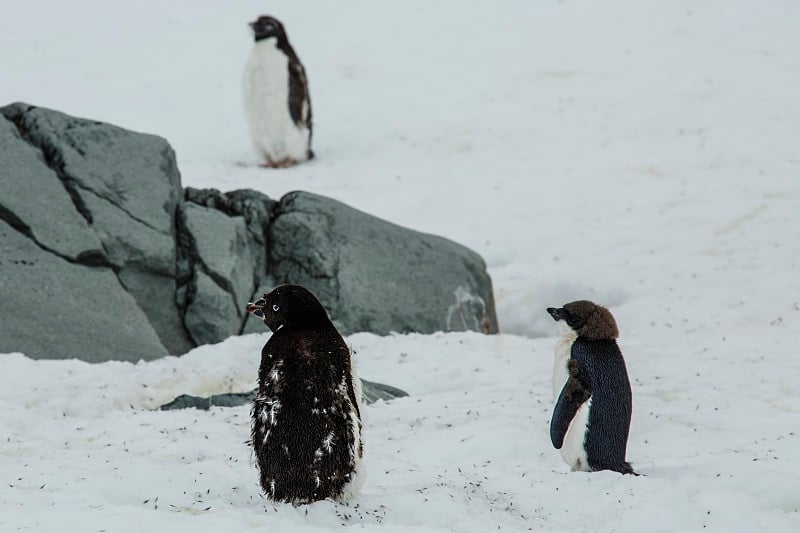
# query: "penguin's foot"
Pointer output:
{"type": "Point", "coordinates": [283, 163]}
{"type": "Point", "coordinates": [288, 162]}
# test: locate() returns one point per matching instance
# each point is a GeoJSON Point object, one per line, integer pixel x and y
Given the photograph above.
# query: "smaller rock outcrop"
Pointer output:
{"type": "Point", "coordinates": [371, 393]}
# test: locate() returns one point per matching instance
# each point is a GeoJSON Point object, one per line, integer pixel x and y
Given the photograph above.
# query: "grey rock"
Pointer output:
{"type": "Point", "coordinates": [187, 401]}
{"type": "Point", "coordinates": [212, 314]}
{"type": "Point", "coordinates": [55, 309]}
{"type": "Point", "coordinates": [375, 276]}
{"type": "Point", "coordinates": [135, 171]}
{"type": "Point", "coordinates": [254, 206]}
{"type": "Point", "coordinates": [126, 185]}
{"type": "Point", "coordinates": [218, 270]}
{"type": "Point", "coordinates": [155, 295]}
{"type": "Point", "coordinates": [371, 393]}
{"type": "Point", "coordinates": [128, 241]}
{"type": "Point", "coordinates": [32, 197]}
{"type": "Point", "coordinates": [93, 218]}
{"type": "Point", "coordinates": [222, 249]}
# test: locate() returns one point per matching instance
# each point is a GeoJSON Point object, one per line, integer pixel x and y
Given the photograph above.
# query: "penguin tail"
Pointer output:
{"type": "Point", "coordinates": [626, 468]}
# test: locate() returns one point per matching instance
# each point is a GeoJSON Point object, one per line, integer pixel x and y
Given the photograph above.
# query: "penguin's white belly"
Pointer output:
{"type": "Point", "coordinates": [266, 99]}
{"type": "Point", "coordinates": [563, 353]}
{"type": "Point", "coordinates": [573, 451]}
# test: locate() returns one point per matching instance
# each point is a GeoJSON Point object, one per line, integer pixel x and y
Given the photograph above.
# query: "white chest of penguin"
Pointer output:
{"type": "Point", "coordinates": [573, 450]}
{"type": "Point", "coordinates": [266, 101]}
{"type": "Point", "coordinates": [563, 354]}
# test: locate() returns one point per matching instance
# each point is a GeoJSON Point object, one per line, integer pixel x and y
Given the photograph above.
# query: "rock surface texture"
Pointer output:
{"type": "Point", "coordinates": [96, 232]}
{"type": "Point", "coordinates": [101, 200]}
{"type": "Point", "coordinates": [376, 276]}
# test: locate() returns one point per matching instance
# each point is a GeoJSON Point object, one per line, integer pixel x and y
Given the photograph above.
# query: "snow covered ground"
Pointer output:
{"type": "Point", "coordinates": [643, 154]}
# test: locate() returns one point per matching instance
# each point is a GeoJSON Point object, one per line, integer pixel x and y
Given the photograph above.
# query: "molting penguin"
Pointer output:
{"type": "Point", "coordinates": [592, 415]}
{"type": "Point", "coordinates": [276, 99]}
{"type": "Point", "coordinates": [306, 417]}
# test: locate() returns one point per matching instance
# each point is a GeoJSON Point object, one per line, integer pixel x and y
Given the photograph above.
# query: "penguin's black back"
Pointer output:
{"type": "Point", "coordinates": [602, 363]}
{"type": "Point", "coordinates": [305, 369]}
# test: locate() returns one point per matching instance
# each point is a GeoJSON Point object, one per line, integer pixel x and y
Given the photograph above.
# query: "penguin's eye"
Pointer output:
{"type": "Point", "coordinates": [275, 307]}
{"type": "Point", "coordinates": [571, 319]}
{"type": "Point", "coordinates": [268, 27]}
{"type": "Point", "coordinates": [574, 322]}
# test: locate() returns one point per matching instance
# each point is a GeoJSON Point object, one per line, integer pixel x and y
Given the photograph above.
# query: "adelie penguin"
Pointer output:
{"type": "Point", "coordinates": [276, 99]}
{"type": "Point", "coordinates": [591, 389]}
{"type": "Point", "coordinates": [306, 417]}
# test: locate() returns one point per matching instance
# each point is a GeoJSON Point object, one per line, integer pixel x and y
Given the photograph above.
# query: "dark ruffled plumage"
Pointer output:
{"type": "Point", "coordinates": [306, 419]}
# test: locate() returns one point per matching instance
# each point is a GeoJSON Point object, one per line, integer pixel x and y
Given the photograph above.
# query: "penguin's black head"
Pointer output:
{"type": "Point", "coordinates": [587, 319]}
{"type": "Point", "coordinates": [265, 27]}
{"type": "Point", "coordinates": [289, 306]}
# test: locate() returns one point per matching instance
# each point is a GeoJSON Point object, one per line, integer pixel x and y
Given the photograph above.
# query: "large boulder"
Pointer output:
{"type": "Point", "coordinates": [126, 188]}
{"type": "Point", "coordinates": [96, 233]}
{"type": "Point", "coordinates": [376, 276]}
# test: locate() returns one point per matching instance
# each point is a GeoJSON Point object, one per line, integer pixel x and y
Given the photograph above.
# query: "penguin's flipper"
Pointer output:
{"type": "Point", "coordinates": [299, 102]}
{"type": "Point", "coordinates": [575, 393]}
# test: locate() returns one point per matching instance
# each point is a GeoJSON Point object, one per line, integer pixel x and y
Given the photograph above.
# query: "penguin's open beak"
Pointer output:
{"type": "Point", "coordinates": [256, 308]}
{"type": "Point", "coordinates": [556, 313]}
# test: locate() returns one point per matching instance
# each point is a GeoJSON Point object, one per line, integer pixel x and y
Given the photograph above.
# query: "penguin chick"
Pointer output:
{"type": "Point", "coordinates": [592, 415]}
{"type": "Point", "coordinates": [306, 417]}
{"type": "Point", "coordinates": [276, 99]}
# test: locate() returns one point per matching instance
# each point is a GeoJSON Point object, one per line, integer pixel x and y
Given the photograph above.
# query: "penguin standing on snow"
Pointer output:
{"type": "Point", "coordinates": [592, 415]}
{"type": "Point", "coordinates": [276, 99]}
{"type": "Point", "coordinates": [306, 417]}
